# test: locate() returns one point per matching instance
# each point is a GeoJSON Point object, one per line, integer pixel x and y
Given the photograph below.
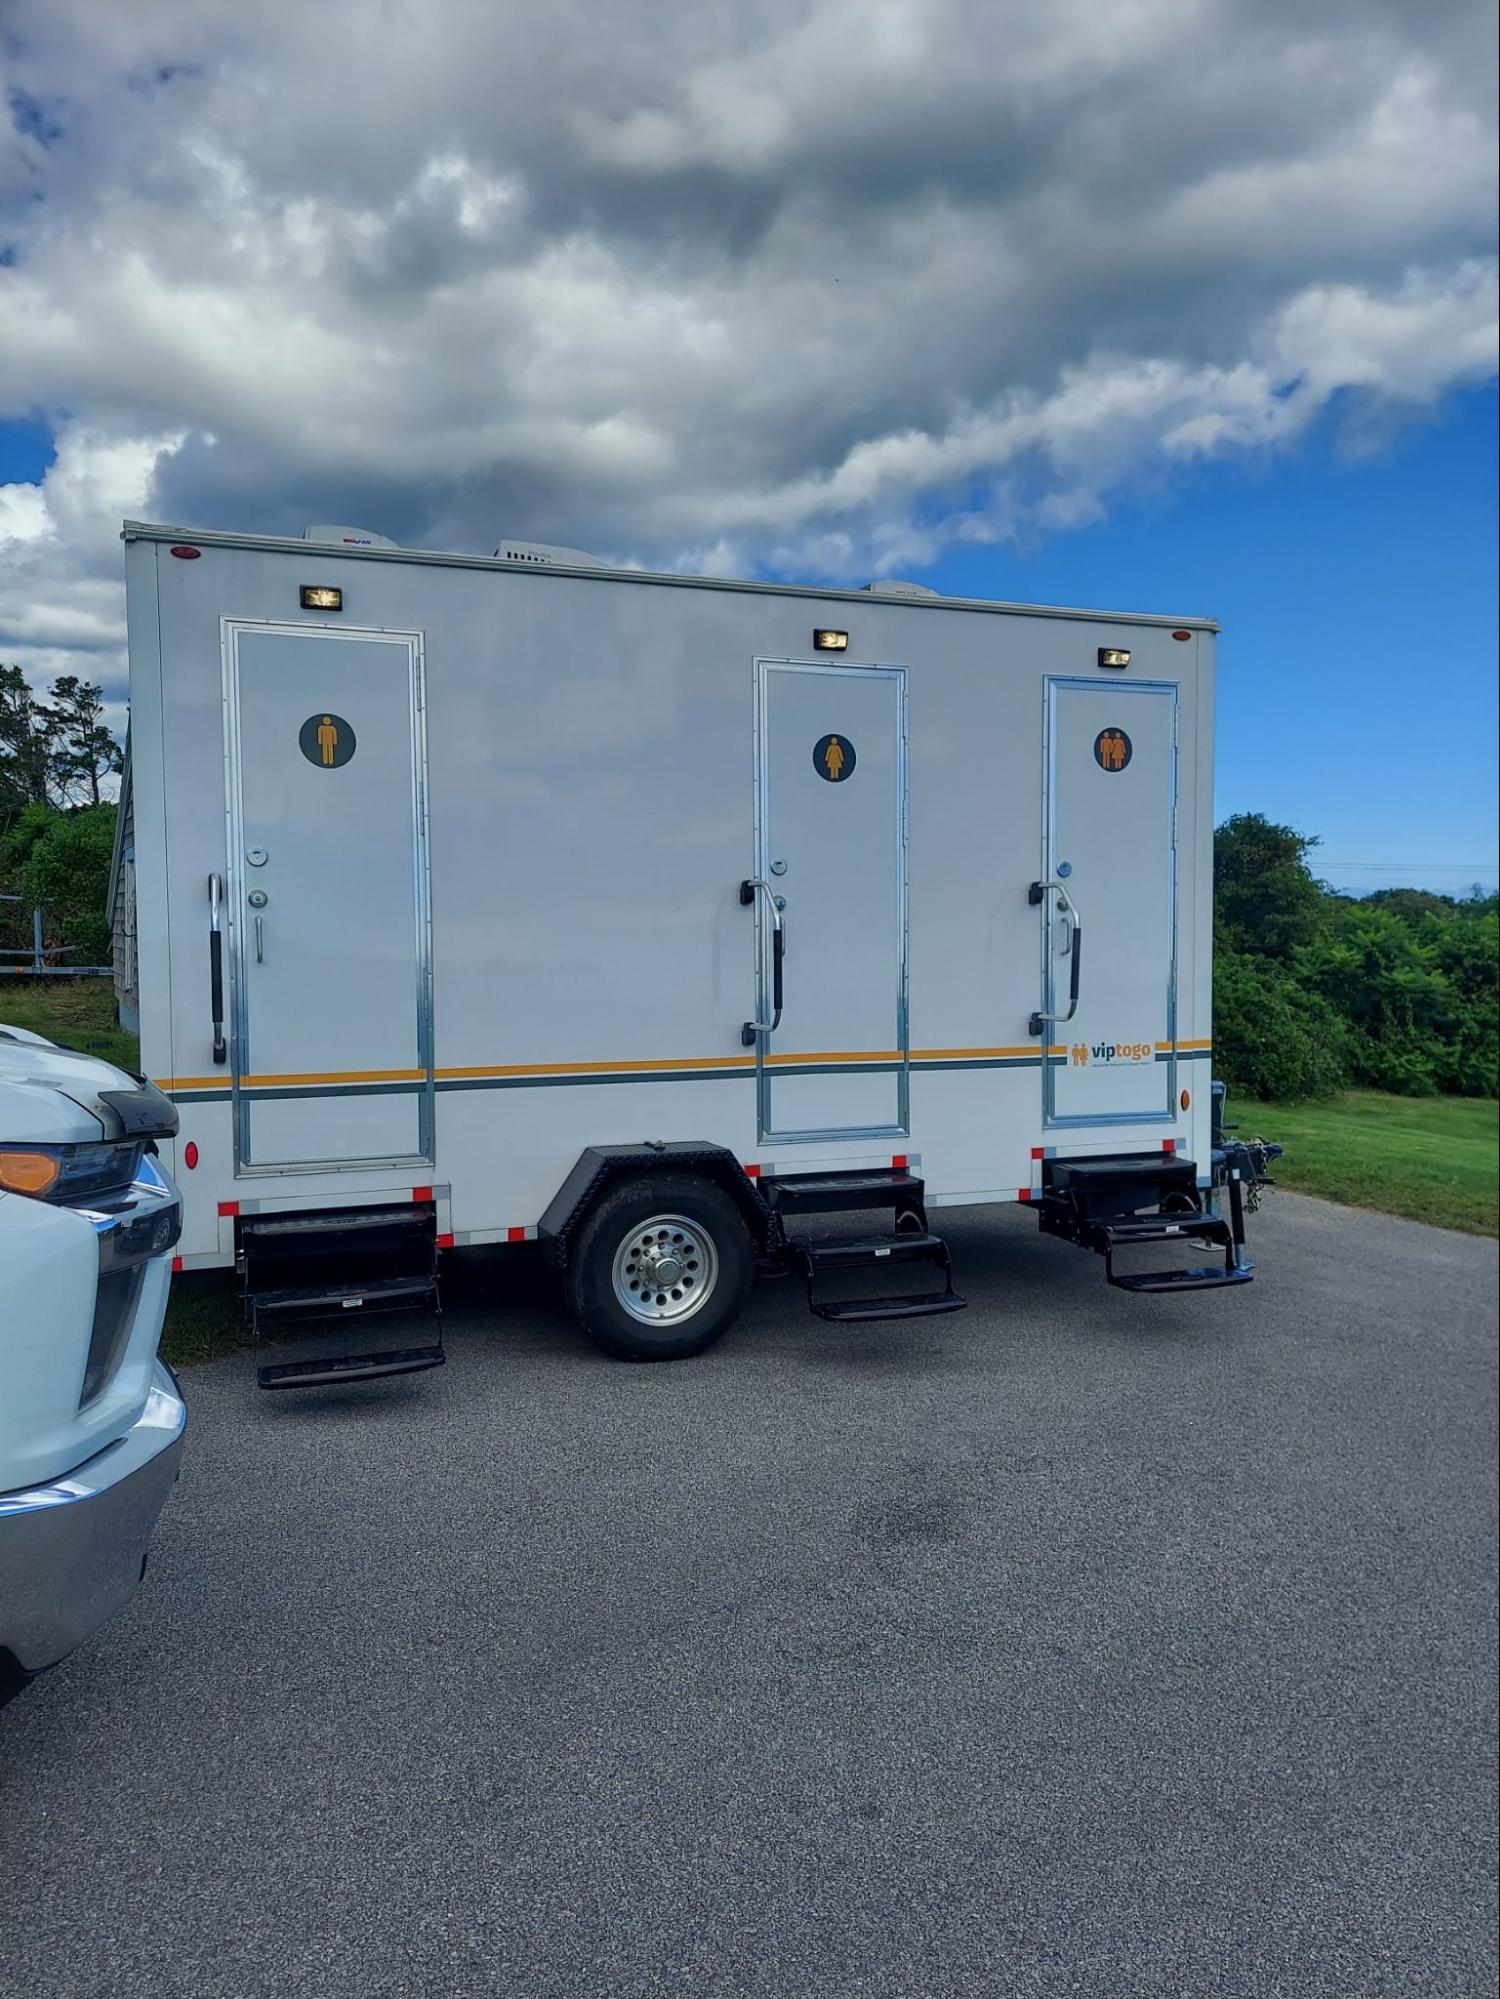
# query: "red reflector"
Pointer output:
{"type": "Point", "coordinates": [1039, 1152]}
{"type": "Point", "coordinates": [1182, 637]}
{"type": "Point", "coordinates": [229, 1207]}
{"type": "Point", "coordinates": [515, 1235]}
{"type": "Point", "coordinates": [421, 1193]}
{"type": "Point", "coordinates": [445, 1242]}
{"type": "Point", "coordinates": [898, 1164]}
{"type": "Point", "coordinates": [190, 1155]}
{"type": "Point", "coordinates": [184, 553]}
{"type": "Point", "coordinates": [1023, 1193]}
{"type": "Point", "coordinates": [1169, 1145]}
{"type": "Point", "coordinates": [752, 1172]}
{"type": "Point", "coordinates": [176, 1264]}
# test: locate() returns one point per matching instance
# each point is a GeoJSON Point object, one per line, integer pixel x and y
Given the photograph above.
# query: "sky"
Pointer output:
{"type": "Point", "coordinates": [1179, 305]}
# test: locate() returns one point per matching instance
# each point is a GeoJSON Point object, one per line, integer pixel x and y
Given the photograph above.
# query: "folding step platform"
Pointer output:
{"type": "Point", "coordinates": [910, 1243]}
{"type": "Point", "coordinates": [1132, 1202]}
{"type": "Point", "coordinates": [345, 1263]}
{"type": "Point", "coordinates": [845, 1254]}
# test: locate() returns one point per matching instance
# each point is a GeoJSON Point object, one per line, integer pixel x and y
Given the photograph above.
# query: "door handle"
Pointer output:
{"type": "Point", "coordinates": [216, 966]}
{"type": "Point", "coordinates": [260, 941]}
{"type": "Point", "coordinates": [1072, 949]}
{"type": "Point", "coordinates": [749, 891]}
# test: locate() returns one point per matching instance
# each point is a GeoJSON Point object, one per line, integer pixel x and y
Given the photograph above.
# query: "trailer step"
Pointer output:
{"type": "Point", "coordinates": [1123, 1231]}
{"type": "Point", "coordinates": [286, 1234]}
{"type": "Point", "coordinates": [856, 1252]}
{"type": "Point", "coordinates": [1210, 1277]}
{"type": "Point", "coordinates": [378, 1294]}
{"type": "Point", "coordinates": [850, 1311]}
{"type": "Point", "coordinates": [351, 1367]}
{"type": "Point", "coordinates": [833, 1193]}
{"type": "Point", "coordinates": [876, 1253]}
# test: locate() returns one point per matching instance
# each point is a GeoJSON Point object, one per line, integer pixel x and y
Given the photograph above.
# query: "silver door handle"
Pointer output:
{"type": "Point", "coordinates": [750, 891]}
{"type": "Point", "coordinates": [260, 941]}
{"type": "Point", "coordinates": [1071, 948]}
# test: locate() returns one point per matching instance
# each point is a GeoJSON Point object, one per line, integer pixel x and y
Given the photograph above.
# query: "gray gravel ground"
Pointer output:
{"type": "Point", "coordinates": [1079, 1643]}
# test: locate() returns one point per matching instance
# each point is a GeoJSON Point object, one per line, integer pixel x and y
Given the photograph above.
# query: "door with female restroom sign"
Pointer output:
{"type": "Point", "coordinates": [327, 899]}
{"type": "Point", "coordinates": [830, 900]}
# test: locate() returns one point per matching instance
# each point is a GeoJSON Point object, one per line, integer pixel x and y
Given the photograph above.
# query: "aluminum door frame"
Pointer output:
{"type": "Point", "coordinates": [1167, 1114]}
{"type": "Point", "coordinates": [229, 630]}
{"type": "Point", "coordinates": [765, 665]}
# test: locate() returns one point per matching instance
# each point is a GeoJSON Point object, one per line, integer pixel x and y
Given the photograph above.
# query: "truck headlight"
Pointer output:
{"type": "Point", "coordinates": [69, 1172]}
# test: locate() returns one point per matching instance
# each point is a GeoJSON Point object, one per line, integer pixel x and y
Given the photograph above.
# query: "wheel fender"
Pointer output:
{"type": "Point", "coordinates": [599, 1166]}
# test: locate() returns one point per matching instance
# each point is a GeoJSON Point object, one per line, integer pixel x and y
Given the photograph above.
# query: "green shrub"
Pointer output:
{"type": "Point", "coordinates": [1272, 1037]}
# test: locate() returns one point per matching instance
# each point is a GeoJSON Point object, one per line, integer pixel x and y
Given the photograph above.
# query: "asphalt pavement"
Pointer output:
{"type": "Point", "coordinates": [1079, 1643]}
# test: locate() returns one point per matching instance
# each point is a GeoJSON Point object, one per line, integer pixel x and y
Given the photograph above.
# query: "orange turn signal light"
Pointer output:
{"type": "Point", "coordinates": [28, 1172]}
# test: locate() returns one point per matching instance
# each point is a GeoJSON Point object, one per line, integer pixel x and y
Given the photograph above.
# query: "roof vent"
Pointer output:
{"type": "Point", "coordinates": [896, 586]}
{"type": "Point", "coordinates": [543, 555]}
{"type": "Point", "coordinates": [348, 537]}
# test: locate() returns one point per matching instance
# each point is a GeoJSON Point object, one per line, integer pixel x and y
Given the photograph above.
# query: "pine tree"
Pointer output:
{"type": "Point", "coordinates": [83, 750]}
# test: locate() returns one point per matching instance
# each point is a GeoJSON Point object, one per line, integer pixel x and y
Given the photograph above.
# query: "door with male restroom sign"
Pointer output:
{"type": "Point", "coordinates": [829, 900]}
{"type": "Point", "coordinates": [327, 899]}
{"type": "Point", "coordinates": [1106, 902]}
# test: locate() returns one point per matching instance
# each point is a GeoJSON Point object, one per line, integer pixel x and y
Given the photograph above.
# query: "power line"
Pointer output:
{"type": "Point", "coordinates": [1413, 867]}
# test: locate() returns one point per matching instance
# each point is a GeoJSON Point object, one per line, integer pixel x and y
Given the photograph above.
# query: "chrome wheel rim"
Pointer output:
{"type": "Point", "coordinates": [665, 1270]}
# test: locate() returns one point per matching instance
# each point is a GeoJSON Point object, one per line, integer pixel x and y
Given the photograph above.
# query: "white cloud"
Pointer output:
{"type": "Point", "coordinates": [820, 285]}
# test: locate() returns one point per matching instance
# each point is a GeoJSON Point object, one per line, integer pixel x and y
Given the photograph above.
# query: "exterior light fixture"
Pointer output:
{"type": "Point", "coordinates": [321, 597]}
{"type": "Point", "coordinates": [829, 641]}
{"type": "Point", "coordinates": [1113, 656]}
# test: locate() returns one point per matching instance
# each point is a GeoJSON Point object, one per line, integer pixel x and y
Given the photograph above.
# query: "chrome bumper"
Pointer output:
{"type": "Point", "coordinates": [73, 1550]}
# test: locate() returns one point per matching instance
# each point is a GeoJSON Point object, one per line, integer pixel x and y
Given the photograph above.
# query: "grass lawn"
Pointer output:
{"type": "Point", "coordinates": [1433, 1159]}
{"type": "Point", "coordinates": [75, 1013]}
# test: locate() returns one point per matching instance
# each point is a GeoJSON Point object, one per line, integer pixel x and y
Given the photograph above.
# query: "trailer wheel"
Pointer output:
{"type": "Point", "coordinates": [661, 1267]}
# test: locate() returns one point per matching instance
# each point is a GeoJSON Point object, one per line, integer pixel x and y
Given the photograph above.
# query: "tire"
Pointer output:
{"type": "Point", "coordinates": [661, 1267]}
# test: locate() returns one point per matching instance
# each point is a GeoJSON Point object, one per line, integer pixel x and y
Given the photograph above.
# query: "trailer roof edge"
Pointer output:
{"type": "Point", "coordinates": [440, 559]}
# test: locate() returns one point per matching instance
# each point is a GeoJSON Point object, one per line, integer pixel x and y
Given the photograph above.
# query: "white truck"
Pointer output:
{"type": "Point", "coordinates": [480, 899]}
{"type": "Point", "coordinates": [91, 1421]}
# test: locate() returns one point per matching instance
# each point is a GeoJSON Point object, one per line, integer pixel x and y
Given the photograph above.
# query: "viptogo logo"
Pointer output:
{"type": "Point", "coordinates": [1106, 1052]}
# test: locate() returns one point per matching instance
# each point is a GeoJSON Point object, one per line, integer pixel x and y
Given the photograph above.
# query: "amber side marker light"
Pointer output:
{"type": "Point", "coordinates": [28, 1172]}
{"type": "Point", "coordinates": [1185, 1100]}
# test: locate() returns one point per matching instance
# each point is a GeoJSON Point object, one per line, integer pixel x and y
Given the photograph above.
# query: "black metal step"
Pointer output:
{"type": "Point", "coordinates": [1210, 1277]}
{"type": "Point", "coordinates": [414, 1216]}
{"type": "Point", "coordinates": [831, 1193]}
{"type": "Point", "coordinates": [345, 1368]}
{"type": "Point", "coordinates": [1120, 1232]}
{"type": "Point", "coordinates": [918, 1306]}
{"type": "Point", "coordinates": [329, 1300]}
{"type": "Point", "coordinates": [876, 1253]}
{"type": "Point", "coordinates": [868, 1252]}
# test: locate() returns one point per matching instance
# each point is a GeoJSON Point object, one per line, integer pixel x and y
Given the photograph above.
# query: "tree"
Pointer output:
{"type": "Point", "coordinates": [1266, 898]}
{"type": "Point", "coordinates": [25, 745]}
{"type": "Point", "coordinates": [83, 750]}
{"type": "Point", "coordinates": [61, 865]}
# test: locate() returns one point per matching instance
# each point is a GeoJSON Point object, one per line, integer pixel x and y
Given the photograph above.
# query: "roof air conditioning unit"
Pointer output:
{"type": "Point", "coordinates": [543, 555]}
{"type": "Point", "coordinates": [348, 537]}
{"type": "Point", "coordinates": [896, 586]}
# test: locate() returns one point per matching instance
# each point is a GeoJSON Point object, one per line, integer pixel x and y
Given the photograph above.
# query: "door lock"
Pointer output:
{"type": "Point", "coordinates": [257, 898]}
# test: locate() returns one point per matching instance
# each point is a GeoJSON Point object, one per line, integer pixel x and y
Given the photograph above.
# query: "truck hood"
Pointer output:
{"type": "Point", "coordinates": [52, 1095]}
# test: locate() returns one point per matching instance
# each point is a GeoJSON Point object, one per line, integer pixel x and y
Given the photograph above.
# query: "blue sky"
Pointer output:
{"type": "Point", "coordinates": [1357, 666]}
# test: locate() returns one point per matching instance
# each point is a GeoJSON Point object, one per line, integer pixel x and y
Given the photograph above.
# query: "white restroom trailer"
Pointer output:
{"type": "Point", "coordinates": [481, 899]}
